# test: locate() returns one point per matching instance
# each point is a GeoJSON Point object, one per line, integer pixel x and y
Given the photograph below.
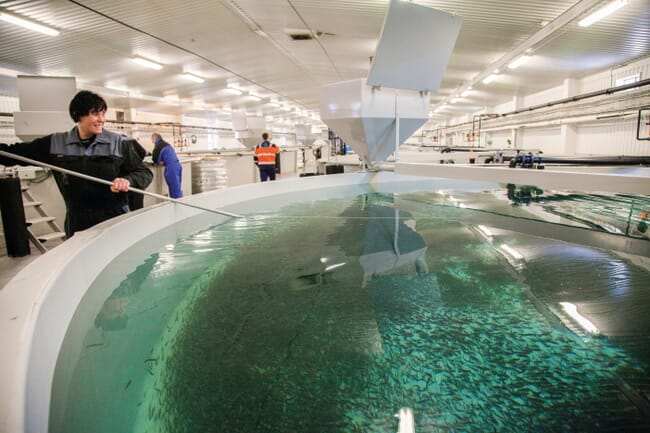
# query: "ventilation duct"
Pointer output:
{"type": "Point", "coordinates": [44, 105]}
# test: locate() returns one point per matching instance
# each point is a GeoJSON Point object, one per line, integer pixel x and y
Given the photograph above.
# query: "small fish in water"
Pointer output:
{"type": "Point", "coordinates": [127, 385]}
{"type": "Point", "coordinates": [95, 345]}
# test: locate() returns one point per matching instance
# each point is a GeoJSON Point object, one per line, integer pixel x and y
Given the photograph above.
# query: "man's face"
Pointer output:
{"type": "Point", "coordinates": [91, 124]}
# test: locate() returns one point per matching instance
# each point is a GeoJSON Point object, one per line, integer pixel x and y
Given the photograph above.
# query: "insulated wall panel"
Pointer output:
{"type": "Point", "coordinates": [615, 137]}
{"type": "Point", "coordinates": [545, 139]}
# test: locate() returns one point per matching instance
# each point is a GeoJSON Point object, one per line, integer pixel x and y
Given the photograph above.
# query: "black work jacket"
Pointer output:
{"type": "Point", "coordinates": [108, 156]}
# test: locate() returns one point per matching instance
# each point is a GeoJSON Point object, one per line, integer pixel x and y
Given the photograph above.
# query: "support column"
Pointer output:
{"type": "Point", "coordinates": [516, 135]}
{"type": "Point", "coordinates": [569, 138]}
{"type": "Point", "coordinates": [517, 138]}
{"type": "Point", "coordinates": [568, 132]}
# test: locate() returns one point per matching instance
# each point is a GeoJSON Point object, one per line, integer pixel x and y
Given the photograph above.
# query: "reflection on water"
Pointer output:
{"type": "Point", "coordinates": [284, 323]}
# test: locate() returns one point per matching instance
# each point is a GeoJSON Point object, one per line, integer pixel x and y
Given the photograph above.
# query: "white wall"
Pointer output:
{"type": "Point", "coordinates": [614, 137]}
{"type": "Point", "coordinates": [545, 139]}
{"type": "Point", "coordinates": [499, 139]}
{"type": "Point", "coordinates": [552, 94]}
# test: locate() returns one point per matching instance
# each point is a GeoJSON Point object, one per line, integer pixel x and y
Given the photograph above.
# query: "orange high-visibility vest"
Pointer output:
{"type": "Point", "coordinates": [266, 155]}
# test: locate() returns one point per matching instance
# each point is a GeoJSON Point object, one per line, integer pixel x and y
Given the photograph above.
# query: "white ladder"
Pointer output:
{"type": "Point", "coordinates": [38, 240]}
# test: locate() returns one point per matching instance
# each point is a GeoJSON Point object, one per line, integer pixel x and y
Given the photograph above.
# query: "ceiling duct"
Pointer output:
{"type": "Point", "coordinates": [301, 36]}
{"type": "Point", "coordinates": [43, 105]}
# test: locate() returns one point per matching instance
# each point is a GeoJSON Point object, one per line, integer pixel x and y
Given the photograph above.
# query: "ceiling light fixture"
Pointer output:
{"type": "Point", "coordinates": [10, 72]}
{"type": "Point", "coordinates": [146, 63]}
{"type": "Point", "coordinates": [193, 77]}
{"type": "Point", "coordinates": [489, 78]}
{"type": "Point", "coordinates": [254, 97]}
{"type": "Point", "coordinates": [118, 88]}
{"type": "Point", "coordinates": [13, 19]}
{"type": "Point", "coordinates": [233, 88]}
{"type": "Point", "coordinates": [603, 12]}
{"type": "Point", "coordinates": [519, 61]}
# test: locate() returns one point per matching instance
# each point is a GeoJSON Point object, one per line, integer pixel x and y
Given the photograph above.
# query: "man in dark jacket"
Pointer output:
{"type": "Point", "coordinates": [91, 150]}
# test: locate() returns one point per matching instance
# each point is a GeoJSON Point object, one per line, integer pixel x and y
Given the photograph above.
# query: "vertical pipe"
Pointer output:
{"type": "Point", "coordinates": [13, 218]}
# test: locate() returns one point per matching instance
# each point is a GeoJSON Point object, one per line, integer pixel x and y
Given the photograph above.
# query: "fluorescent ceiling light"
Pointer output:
{"type": "Point", "coordinates": [233, 91]}
{"type": "Point", "coordinates": [453, 100]}
{"type": "Point", "coordinates": [146, 63]}
{"type": "Point", "coordinates": [489, 78]}
{"type": "Point", "coordinates": [254, 97]}
{"type": "Point", "coordinates": [13, 19]}
{"type": "Point", "coordinates": [519, 61]}
{"type": "Point", "coordinates": [10, 72]}
{"type": "Point", "coordinates": [572, 311]}
{"type": "Point", "coordinates": [118, 88]}
{"type": "Point", "coordinates": [603, 12]}
{"type": "Point", "coordinates": [193, 77]}
{"type": "Point", "coordinates": [466, 92]}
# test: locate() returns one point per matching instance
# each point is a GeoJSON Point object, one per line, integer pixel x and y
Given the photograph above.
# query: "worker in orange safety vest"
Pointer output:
{"type": "Point", "coordinates": [265, 157]}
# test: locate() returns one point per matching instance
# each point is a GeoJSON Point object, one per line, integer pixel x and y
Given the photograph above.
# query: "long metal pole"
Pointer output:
{"type": "Point", "coordinates": [109, 183]}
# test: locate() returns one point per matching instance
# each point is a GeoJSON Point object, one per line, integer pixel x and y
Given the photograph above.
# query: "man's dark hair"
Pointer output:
{"type": "Point", "coordinates": [84, 102]}
{"type": "Point", "coordinates": [265, 136]}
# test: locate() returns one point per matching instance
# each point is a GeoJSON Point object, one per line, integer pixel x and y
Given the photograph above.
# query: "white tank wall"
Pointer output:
{"type": "Point", "coordinates": [36, 307]}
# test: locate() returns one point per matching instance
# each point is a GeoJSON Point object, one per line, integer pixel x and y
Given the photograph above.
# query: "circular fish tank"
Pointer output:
{"type": "Point", "coordinates": [336, 302]}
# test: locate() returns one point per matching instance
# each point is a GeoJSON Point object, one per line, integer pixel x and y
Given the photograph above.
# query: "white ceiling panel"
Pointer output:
{"type": "Point", "coordinates": [247, 41]}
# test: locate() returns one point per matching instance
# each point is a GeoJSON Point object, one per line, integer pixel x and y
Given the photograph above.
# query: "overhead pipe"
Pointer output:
{"type": "Point", "coordinates": [576, 98]}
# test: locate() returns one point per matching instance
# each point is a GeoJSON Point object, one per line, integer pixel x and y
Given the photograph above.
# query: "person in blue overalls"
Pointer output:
{"type": "Point", "coordinates": [164, 154]}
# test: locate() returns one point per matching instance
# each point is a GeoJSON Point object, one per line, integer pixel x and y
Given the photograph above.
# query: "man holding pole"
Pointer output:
{"type": "Point", "coordinates": [90, 150]}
